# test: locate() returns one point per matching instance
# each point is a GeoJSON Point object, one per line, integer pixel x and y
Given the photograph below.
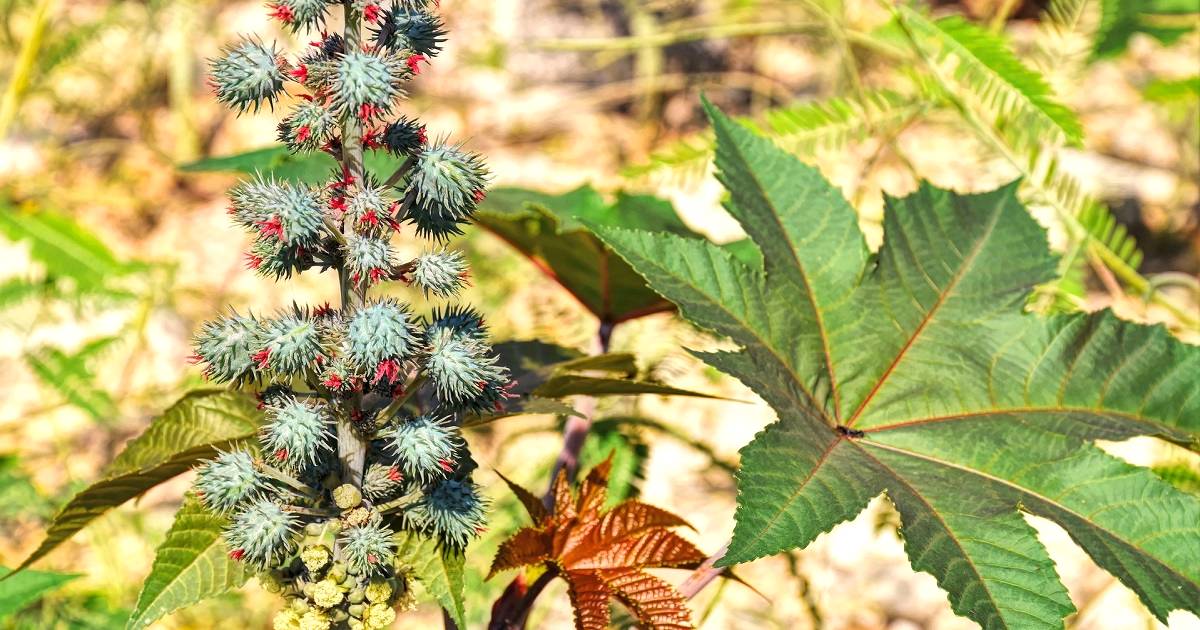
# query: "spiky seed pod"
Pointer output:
{"type": "Point", "coordinates": [225, 345]}
{"type": "Point", "coordinates": [338, 375]}
{"type": "Point", "coordinates": [296, 433]}
{"type": "Point", "coordinates": [424, 446]}
{"type": "Point", "coordinates": [369, 259]}
{"type": "Point", "coordinates": [284, 211]}
{"type": "Point", "coordinates": [462, 320]}
{"type": "Point", "coordinates": [308, 128]}
{"type": "Point", "coordinates": [366, 84]}
{"type": "Point", "coordinates": [404, 137]}
{"type": "Point", "coordinates": [299, 14]}
{"type": "Point", "coordinates": [441, 273]}
{"type": "Point", "coordinates": [446, 185]}
{"type": "Point", "coordinates": [272, 258]}
{"type": "Point", "coordinates": [368, 548]}
{"type": "Point", "coordinates": [382, 482]}
{"type": "Point", "coordinates": [378, 332]}
{"type": "Point", "coordinates": [454, 510]}
{"type": "Point", "coordinates": [369, 208]}
{"type": "Point", "coordinates": [248, 75]}
{"type": "Point", "coordinates": [289, 344]}
{"type": "Point", "coordinates": [459, 367]}
{"type": "Point", "coordinates": [417, 31]}
{"type": "Point", "coordinates": [262, 533]}
{"type": "Point", "coordinates": [225, 482]}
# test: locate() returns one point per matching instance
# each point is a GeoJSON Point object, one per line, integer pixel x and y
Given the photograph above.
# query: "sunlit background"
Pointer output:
{"type": "Point", "coordinates": [115, 250]}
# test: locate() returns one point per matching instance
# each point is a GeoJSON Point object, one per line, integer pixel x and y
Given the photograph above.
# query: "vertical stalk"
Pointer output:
{"type": "Point", "coordinates": [352, 449]}
{"type": "Point", "coordinates": [576, 428]}
{"type": "Point", "coordinates": [23, 70]}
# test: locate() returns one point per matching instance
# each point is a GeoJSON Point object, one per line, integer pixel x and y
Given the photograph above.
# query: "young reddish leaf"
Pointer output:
{"type": "Point", "coordinates": [603, 554]}
{"type": "Point", "coordinates": [533, 505]}
{"type": "Point", "coordinates": [589, 598]}
{"type": "Point", "coordinates": [654, 602]}
{"type": "Point", "coordinates": [527, 546]}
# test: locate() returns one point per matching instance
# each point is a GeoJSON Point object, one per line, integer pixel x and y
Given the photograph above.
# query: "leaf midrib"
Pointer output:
{"type": "Point", "coordinates": [984, 413]}
{"type": "Point", "coordinates": [812, 298]}
{"type": "Point", "coordinates": [964, 267]}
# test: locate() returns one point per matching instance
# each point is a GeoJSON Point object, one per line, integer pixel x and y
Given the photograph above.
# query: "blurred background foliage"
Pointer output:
{"type": "Point", "coordinates": [115, 242]}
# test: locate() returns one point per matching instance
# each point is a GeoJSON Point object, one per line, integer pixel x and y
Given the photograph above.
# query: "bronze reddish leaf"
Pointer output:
{"type": "Point", "coordinates": [589, 597]}
{"type": "Point", "coordinates": [655, 603]}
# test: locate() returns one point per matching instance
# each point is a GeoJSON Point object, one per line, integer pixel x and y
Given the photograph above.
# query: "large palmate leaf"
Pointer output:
{"type": "Point", "coordinates": [915, 373]}
{"type": "Point", "coordinates": [548, 230]}
{"type": "Point", "coordinates": [190, 566]}
{"type": "Point", "coordinates": [438, 569]}
{"type": "Point", "coordinates": [194, 428]}
{"type": "Point", "coordinates": [602, 553]}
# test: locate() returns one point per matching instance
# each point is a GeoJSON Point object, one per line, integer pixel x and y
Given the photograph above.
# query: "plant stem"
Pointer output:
{"type": "Point", "coordinates": [576, 428]}
{"type": "Point", "coordinates": [703, 574]}
{"type": "Point", "coordinates": [516, 619]}
{"type": "Point", "coordinates": [24, 68]}
{"type": "Point", "coordinates": [352, 449]}
{"type": "Point", "coordinates": [286, 479]}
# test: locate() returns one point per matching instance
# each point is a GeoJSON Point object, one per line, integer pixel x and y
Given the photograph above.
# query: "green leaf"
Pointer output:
{"type": "Point", "coordinates": [563, 385]}
{"type": "Point", "coordinates": [439, 569]}
{"type": "Point", "coordinates": [64, 248]}
{"type": "Point", "coordinates": [984, 64]}
{"type": "Point", "coordinates": [1120, 20]}
{"type": "Point", "coordinates": [191, 565]}
{"type": "Point", "coordinates": [73, 379]}
{"type": "Point", "coordinates": [310, 168]}
{"type": "Point", "coordinates": [194, 428]}
{"type": "Point", "coordinates": [916, 374]}
{"type": "Point", "coordinates": [548, 229]}
{"type": "Point", "coordinates": [24, 589]}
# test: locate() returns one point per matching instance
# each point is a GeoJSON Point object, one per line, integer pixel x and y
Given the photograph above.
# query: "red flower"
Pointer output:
{"type": "Point", "coordinates": [333, 382]}
{"type": "Point", "coordinates": [480, 194]}
{"type": "Point", "coordinates": [271, 227]}
{"type": "Point", "coordinates": [303, 133]}
{"type": "Point", "coordinates": [389, 369]}
{"type": "Point", "coordinates": [394, 474]}
{"type": "Point", "coordinates": [283, 13]}
{"type": "Point", "coordinates": [300, 73]}
{"type": "Point", "coordinates": [195, 359]}
{"type": "Point", "coordinates": [446, 465]}
{"type": "Point", "coordinates": [325, 310]}
{"type": "Point", "coordinates": [281, 454]}
{"type": "Point", "coordinates": [262, 358]}
{"type": "Point", "coordinates": [371, 13]}
{"type": "Point", "coordinates": [253, 261]}
{"type": "Point", "coordinates": [421, 137]}
{"type": "Point", "coordinates": [237, 554]}
{"type": "Point", "coordinates": [377, 274]}
{"type": "Point", "coordinates": [338, 203]}
{"type": "Point", "coordinates": [413, 62]}
{"type": "Point", "coordinates": [367, 111]}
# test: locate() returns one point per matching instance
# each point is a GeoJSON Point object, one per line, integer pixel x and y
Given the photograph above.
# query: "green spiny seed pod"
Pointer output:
{"type": "Point", "coordinates": [441, 273]}
{"type": "Point", "coordinates": [369, 259]}
{"type": "Point", "coordinates": [271, 258]}
{"type": "Point", "coordinates": [338, 375]}
{"type": "Point", "coordinates": [459, 367]}
{"type": "Point", "coordinates": [414, 30]}
{"type": "Point", "coordinates": [463, 321]}
{"type": "Point", "coordinates": [365, 84]}
{"type": "Point", "coordinates": [404, 137]}
{"type": "Point", "coordinates": [382, 482]}
{"type": "Point", "coordinates": [446, 185]}
{"type": "Point", "coordinates": [424, 446]}
{"type": "Point", "coordinates": [284, 211]}
{"type": "Point", "coordinates": [368, 548]}
{"type": "Point", "coordinates": [296, 433]}
{"type": "Point", "coordinates": [227, 481]}
{"type": "Point", "coordinates": [308, 127]}
{"type": "Point", "coordinates": [299, 14]}
{"type": "Point", "coordinates": [379, 332]}
{"type": "Point", "coordinates": [453, 509]}
{"type": "Point", "coordinates": [261, 533]}
{"type": "Point", "coordinates": [225, 346]}
{"type": "Point", "coordinates": [288, 344]}
{"type": "Point", "coordinates": [248, 75]}
{"type": "Point", "coordinates": [369, 208]}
